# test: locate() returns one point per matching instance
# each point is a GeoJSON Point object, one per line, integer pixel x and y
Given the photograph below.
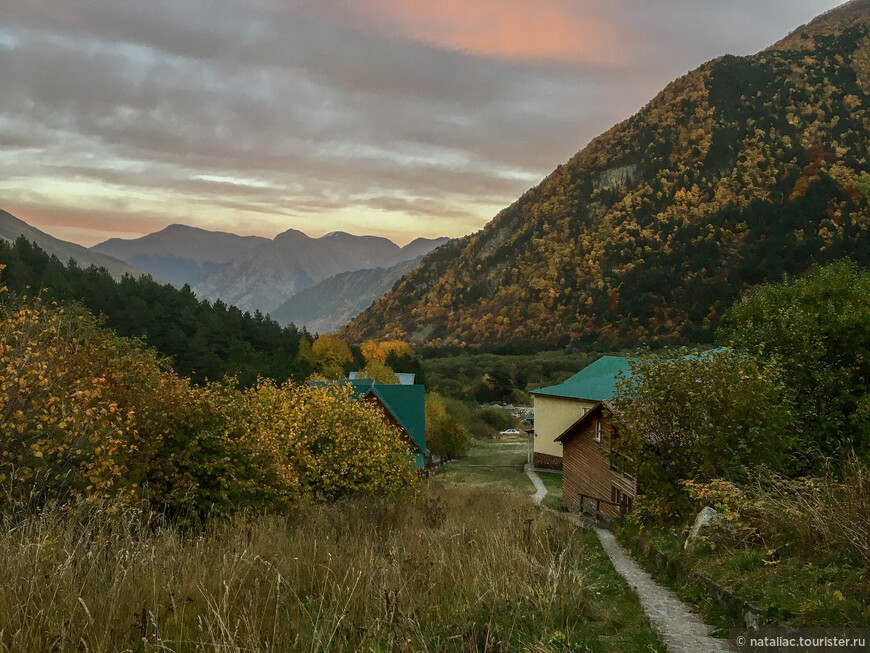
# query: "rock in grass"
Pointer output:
{"type": "Point", "coordinates": [707, 520]}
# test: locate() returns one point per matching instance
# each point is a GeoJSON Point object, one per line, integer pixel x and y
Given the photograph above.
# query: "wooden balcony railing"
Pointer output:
{"type": "Point", "coordinates": [588, 501]}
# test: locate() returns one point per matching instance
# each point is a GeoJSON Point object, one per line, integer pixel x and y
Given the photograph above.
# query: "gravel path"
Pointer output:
{"type": "Point", "coordinates": [680, 628]}
{"type": "Point", "coordinates": [540, 488]}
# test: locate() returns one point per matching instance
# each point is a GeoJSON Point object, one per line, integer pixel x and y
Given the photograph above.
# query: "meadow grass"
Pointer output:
{"type": "Point", "coordinates": [497, 464]}
{"type": "Point", "coordinates": [553, 482]}
{"type": "Point", "coordinates": [463, 569]}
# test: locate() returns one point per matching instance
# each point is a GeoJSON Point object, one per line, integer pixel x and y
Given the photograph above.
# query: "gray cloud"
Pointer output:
{"type": "Point", "coordinates": [265, 115]}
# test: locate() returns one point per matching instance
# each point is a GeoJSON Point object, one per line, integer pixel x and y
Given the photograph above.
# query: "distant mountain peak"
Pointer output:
{"type": "Point", "coordinates": [251, 272]}
{"type": "Point", "coordinates": [177, 226]}
{"type": "Point", "coordinates": [294, 234]}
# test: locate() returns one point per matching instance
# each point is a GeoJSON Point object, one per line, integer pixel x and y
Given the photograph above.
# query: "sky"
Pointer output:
{"type": "Point", "coordinates": [397, 118]}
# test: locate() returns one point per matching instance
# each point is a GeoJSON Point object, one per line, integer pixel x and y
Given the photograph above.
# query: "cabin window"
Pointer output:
{"type": "Point", "coordinates": [583, 411]}
{"type": "Point", "coordinates": [597, 430]}
{"type": "Point", "coordinates": [616, 494]}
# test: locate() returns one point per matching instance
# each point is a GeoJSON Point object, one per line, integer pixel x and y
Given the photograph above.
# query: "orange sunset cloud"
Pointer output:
{"type": "Point", "coordinates": [516, 29]}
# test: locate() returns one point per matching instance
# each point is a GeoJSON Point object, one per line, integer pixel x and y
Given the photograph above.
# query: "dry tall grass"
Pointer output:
{"type": "Point", "coordinates": [829, 513]}
{"type": "Point", "coordinates": [465, 570]}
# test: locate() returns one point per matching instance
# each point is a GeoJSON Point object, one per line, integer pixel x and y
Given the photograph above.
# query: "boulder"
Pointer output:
{"type": "Point", "coordinates": [707, 520]}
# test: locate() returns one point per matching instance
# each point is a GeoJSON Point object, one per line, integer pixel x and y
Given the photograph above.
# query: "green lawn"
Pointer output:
{"type": "Point", "coordinates": [499, 464]}
{"type": "Point", "coordinates": [553, 483]}
{"type": "Point", "coordinates": [490, 463]}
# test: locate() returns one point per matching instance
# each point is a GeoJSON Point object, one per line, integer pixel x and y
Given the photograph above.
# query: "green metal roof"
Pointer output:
{"type": "Point", "coordinates": [360, 387]}
{"type": "Point", "coordinates": [407, 403]}
{"type": "Point", "coordinates": [594, 382]}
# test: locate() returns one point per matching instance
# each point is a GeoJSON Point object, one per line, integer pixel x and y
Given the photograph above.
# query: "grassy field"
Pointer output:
{"type": "Point", "coordinates": [498, 464]}
{"type": "Point", "coordinates": [464, 569]}
{"type": "Point", "coordinates": [470, 566]}
{"type": "Point", "coordinates": [495, 464]}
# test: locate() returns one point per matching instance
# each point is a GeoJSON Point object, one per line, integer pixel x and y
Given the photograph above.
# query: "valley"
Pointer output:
{"type": "Point", "coordinates": [630, 412]}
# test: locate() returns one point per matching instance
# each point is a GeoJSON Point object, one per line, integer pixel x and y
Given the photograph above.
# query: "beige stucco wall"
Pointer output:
{"type": "Point", "coordinates": [552, 416]}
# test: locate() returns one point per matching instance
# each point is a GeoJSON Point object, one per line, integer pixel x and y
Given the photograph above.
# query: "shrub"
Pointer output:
{"type": "Point", "coordinates": [82, 411]}
{"type": "Point", "coordinates": [829, 512]}
{"type": "Point", "coordinates": [326, 442]}
{"type": "Point", "coordinates": [825, 513]}
{"type": "Point", "coordinates": [706, 416]}
{"type": "Point", "coordinates": [815, 329]}
{"type": "Point", "coordinates": [446, 434]}
{"type": "Point", "coordinates": [520, 398]}
{"type": "Point", "coordinates": [497, 418]}
{"type": "Point", "coordinates": [85, 414]}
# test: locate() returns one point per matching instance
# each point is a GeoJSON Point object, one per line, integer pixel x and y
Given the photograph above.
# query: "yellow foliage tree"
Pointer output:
{"type": "Point", "coordinates": [85, 414]}
{"type": "Point", "coordinates": [373, 352]}
{"type": "Point", "coordinates": [82, 412]}
{"type": "Point", "coordinates": [398, 348]}
{"type": "Point", "coordinates": [379, 372]}
{"type": "Point", "coordinates": [327, 443]}
{"type": "Point", "coordinates": [329, 352]}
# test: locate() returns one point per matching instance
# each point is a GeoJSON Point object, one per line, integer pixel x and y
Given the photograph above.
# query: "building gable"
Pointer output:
{"type": "Point", "coordinates": [589, 475]}
{"type": "Point", "coordinates": [407, 405]}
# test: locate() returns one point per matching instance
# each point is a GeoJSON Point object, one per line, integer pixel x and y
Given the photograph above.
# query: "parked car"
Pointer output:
{"type": "Point", "coordinates": [510, 432]}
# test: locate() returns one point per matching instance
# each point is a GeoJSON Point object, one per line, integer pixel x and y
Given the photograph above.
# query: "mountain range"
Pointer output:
{"type": "Point", "coordinates": [741, 171]}
{"type": "Point", "coordinates": [11, 228]}
{"type": "Point", "coordinates": [261, 274]}
{"type": "Point", "coordinates": [332, 303]}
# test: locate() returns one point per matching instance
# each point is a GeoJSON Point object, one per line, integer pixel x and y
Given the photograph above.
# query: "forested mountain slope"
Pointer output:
{"type": "Point", "coordinates": [11, 228]}
{"type": "Point", "coordinates": [203, 340]}
{"type": "Point", "coordinates": [743, 170]}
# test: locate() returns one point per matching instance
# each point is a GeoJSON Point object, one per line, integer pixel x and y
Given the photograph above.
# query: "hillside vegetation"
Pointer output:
{"type": "Point", "coordinates": [772, 430]}
{"type": "Point", "coordinates": [204, 341]}
{"type": "Point", "coordinates": [88, 415]}
{"type": "Point", "coordinates": [11, 228]}
{"type": "Point", "coordinates": [743, 170]}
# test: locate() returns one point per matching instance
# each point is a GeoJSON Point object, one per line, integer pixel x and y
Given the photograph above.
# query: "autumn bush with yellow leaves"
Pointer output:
{"type": "Point", "coordinates": [85, 414]}
{"type": "Point", "coordinates": [325, 443]}
{"type": "Point", "coordinates": [77, 407]}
